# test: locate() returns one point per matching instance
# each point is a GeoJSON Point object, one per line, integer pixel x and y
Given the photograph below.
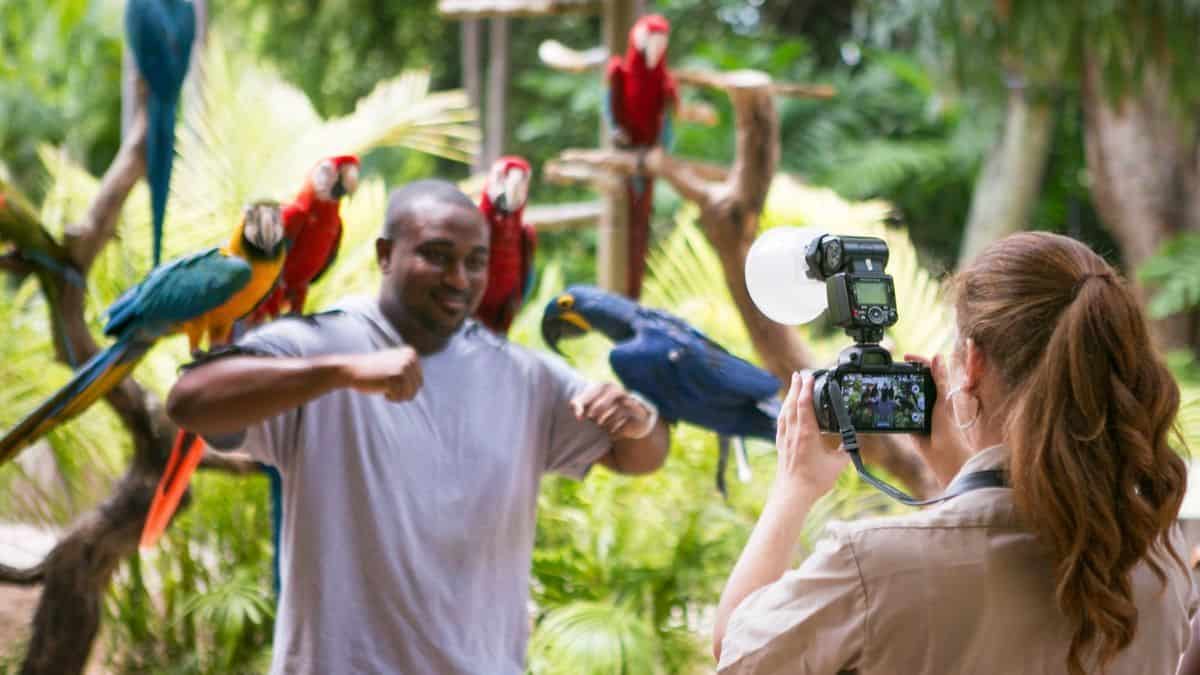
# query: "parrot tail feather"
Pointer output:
{"type": "Point", "coordinates": [160, 155]}
{"type": "Point", "coordinates": [93, 380]}
{"type": "Point", "coordinates": [185, 457]}
{"type": "Point", "coordinates": [640, 193]}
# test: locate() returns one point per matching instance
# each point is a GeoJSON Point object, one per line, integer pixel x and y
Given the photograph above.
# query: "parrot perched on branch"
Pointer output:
{"type": "Point", "coordinates": [198, 295]}
{"type": "Point", "coordinates": [683, 372]}
{"type": "Point", "coordinates": [160, 34]}
{"type": "Point", "coordinates": [313, 226]}
{"type": "Point", "coordinates": [641, 95]}
{"type": "Point", "coordinates": [510, 262]}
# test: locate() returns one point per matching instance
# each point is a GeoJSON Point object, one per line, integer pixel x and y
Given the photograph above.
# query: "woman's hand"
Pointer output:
{"type": "Point", "coordinates": [944, 449]}
{"type": "Point", "coordinates": [808, 462]}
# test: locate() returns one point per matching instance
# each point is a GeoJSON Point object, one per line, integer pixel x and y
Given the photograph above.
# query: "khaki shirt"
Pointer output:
{"type": "Point", "coordinates": [958, 588]}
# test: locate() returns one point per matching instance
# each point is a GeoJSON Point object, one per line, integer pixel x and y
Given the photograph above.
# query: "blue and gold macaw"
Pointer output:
{"type": "Point", "coordinates": [160, 34]}
{"type": "Point", "coordinates": [200, 295]}
{"type": "Point", "coordinates": [681, 370]}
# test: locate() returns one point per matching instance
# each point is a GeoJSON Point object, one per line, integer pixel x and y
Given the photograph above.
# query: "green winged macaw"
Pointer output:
{"type": "Point", "coordinates": [637, 108]}
{"type": "Point", "coordinates": [160, 35]}
{"type": "Point", "coordinates": [200, 295]}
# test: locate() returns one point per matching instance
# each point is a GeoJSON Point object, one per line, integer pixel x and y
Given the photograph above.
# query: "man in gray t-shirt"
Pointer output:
{"type": "Point", "coordinates": [411, 443]}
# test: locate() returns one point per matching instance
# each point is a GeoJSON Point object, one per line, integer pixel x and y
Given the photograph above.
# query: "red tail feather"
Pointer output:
{"type": "Point", "coordinates": [641, 205]}
{"type": "Point", "coordinates": [185, 457]}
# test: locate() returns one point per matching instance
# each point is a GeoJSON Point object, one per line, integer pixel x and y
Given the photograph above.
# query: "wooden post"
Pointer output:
{"type": "Point", "coordinates": [612, 240]}
{"type": "Point", "coordinates": [495, 135]}
{"type": "Point", "coordinates": [472, 81]}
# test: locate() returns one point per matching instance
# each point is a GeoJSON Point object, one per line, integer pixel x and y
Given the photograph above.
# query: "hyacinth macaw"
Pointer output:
{"type": "Point", "coordinates": [510, 262]}
{"type": "Point", "coordinates": [199, 295]}
{"type": "Point", "coordinates": [160, 34]}
{"type": "Point", "coordinates": [678, 368]}
{"type": "Point", "coordinates": [313, 225]}
{"type": "Point", "coordinates": [641, 94]}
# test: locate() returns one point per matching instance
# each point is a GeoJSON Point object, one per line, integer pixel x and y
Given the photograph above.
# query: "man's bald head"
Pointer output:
{"type": "Point", "coordinates": [406, 203]}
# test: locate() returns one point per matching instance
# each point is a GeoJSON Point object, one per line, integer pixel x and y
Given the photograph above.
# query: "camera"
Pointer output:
{"type": "Point", "coordinates": [880, 396]}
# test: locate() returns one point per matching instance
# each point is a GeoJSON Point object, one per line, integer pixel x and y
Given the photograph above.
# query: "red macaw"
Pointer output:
{"type": "Point", "coordinates": [510, 263]}
{"type": "Point", "coordinates": [314, 232]}
{"type": "Point", "coordinates": [641, 94]}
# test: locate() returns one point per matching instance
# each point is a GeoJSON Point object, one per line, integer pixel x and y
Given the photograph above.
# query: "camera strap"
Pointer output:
{"type": "Point", "coordinates": [972, 481]}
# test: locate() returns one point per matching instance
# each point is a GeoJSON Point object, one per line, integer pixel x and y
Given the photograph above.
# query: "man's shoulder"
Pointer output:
{"type": "Point", "coordinates": [538, 365]}
{"type": "Point", "coordinates": [336, 329]}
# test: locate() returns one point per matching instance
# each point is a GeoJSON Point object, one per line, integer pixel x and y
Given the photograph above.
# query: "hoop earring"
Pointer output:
{"type": "Point", "coordinates": [963, 426]}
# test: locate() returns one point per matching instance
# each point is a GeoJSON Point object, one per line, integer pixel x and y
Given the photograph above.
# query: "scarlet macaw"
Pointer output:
{"type": "Point", "coordinates": [200, 295]}
{"type": "Point", "coordinates": [678, 368]}
{"type": "Point", "coordinates": [641, 94]}
{"type": "Point", "coordinates": [510, 262]}
{"type": "Point", "coordinates": [160, 34]}
{"type": "Point", "coordinates": [314, 232]}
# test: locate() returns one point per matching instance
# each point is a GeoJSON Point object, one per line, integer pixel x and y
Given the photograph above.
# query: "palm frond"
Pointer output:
{"type": "Point", "coordinates": [590, 638]}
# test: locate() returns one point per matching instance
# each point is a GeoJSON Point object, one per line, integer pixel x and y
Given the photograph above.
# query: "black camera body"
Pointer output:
{"type": "Point", "coordinates": [881, 396]}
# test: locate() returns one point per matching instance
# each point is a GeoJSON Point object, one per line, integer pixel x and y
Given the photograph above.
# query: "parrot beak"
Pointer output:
{"type": "Point", "coordinates": [557, 325]}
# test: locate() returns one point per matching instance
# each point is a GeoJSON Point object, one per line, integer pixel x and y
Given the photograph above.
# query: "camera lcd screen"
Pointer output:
{"type": "Point", "coordinates": [894, 402]}
{"type": "Point", "coordinates": [870, 293]}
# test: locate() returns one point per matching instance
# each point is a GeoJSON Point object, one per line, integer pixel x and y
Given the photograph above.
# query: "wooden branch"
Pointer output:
{"type": "Point", "coordinates": [561, 57]}
{"type": "Point", "coordinates": [697, 112]}
{"type": "Point", "coordinates": [486, 9]}
{"type": "Point", "coordinates": [553, 217]}
{"type": "Point", "coordinates": [14, 264]}
{"type": "Point", "coordinates": [558, 56]}
{"type": "Point", "coordinates": [750, 79]}
{"type": "Point", "coordinates": [30, 576]}
{"type": "Point", "coordinates": [731, 202]}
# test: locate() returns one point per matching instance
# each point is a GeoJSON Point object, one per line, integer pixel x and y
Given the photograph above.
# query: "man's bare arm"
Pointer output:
{"type": "Point", "coordinates": [227, 395]}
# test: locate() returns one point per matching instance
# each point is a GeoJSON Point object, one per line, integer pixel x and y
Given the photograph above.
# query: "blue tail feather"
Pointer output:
{"type": "Point", "coordinates": [160, 155]}
{"type": "Point", "coordinates": [93, 379]}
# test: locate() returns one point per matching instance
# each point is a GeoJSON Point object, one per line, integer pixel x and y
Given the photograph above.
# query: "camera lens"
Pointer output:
{"type": "Point", "coordinates": [875, 315]}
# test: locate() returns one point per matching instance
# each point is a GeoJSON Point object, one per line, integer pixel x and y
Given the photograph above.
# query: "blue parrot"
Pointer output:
{"type": "Point", "coordinates": [201, 294]}
{"type": "Point", "coordinates": [160, 33]}
{"type": "Point", "coordinates": [682, 371]}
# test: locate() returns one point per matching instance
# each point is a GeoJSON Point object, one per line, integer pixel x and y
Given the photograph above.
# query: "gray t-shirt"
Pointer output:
{"type": "Point", "coordinates": [408, 527]}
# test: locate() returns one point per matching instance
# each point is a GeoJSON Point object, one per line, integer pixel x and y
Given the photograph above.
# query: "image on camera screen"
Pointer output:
{"type": "Point", "coordinates": [885, 401]}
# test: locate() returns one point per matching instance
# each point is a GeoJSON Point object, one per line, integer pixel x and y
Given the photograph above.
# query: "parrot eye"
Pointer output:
{"type": "Point", "coordinates": [566, 302]}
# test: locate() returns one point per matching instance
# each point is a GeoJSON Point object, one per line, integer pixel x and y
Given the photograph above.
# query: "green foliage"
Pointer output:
{"type": "Point", "coordinates": [46, 97]}
{"type": "Point", "coordinates": [1049, 43]}
{"type": "Point", "coordinates": [1175, 271]}
{"type": "Point", "coordinates": [201, 601]}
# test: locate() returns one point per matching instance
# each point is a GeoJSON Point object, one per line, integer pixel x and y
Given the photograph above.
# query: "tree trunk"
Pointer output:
{"type": "Point", "coordinates": [1011, 177]}
{"type": "Point", "coordinates": [1143, 164]}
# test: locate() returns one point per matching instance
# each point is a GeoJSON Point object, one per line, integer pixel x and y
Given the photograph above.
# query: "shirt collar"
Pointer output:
{"type": "Point", "coordinates": [995, 457]}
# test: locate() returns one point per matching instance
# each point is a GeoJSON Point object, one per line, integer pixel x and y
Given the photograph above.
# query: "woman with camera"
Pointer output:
{"type": "Point", "coordinates": [1075, 566]}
